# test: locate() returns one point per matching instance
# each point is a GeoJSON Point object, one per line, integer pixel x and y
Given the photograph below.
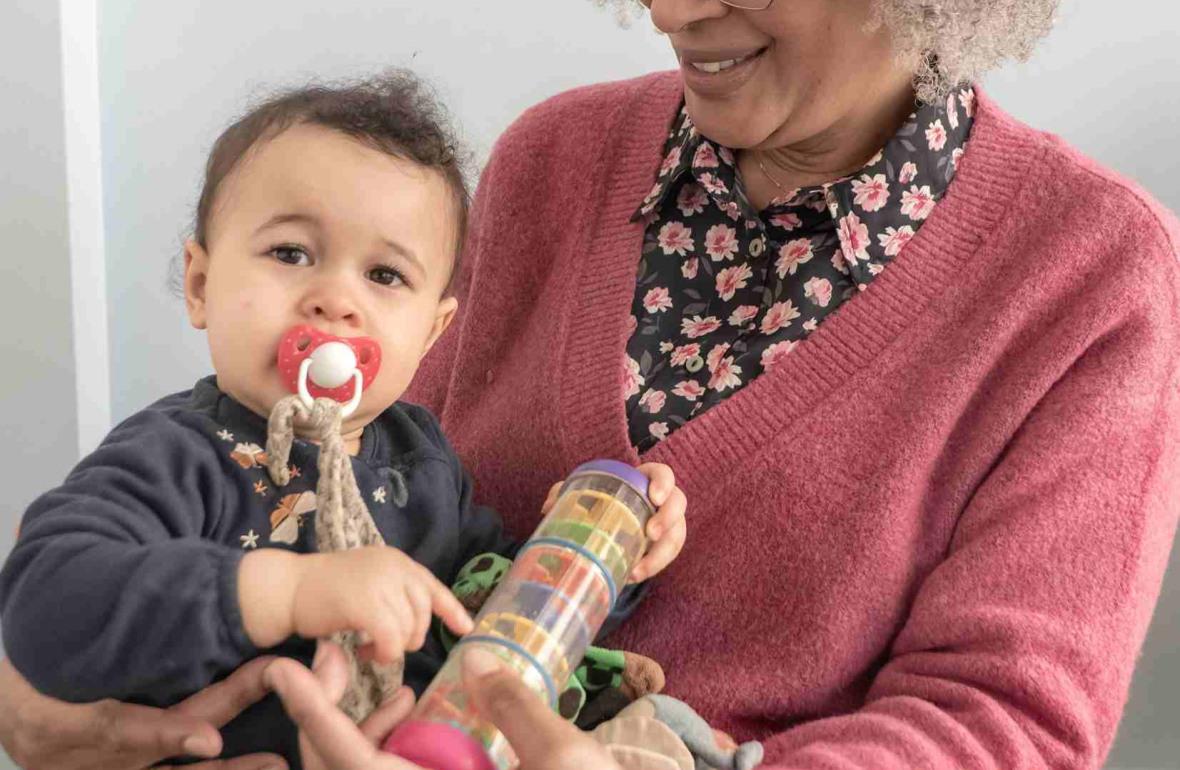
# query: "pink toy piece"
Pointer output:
{"type": "Point", "coordinates": [436, 746]}
{"type": "Point", "coordinates": [301, 341]}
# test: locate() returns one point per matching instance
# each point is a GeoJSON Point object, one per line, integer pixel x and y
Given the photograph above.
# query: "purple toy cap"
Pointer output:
{"type": "Point", "coordinates": [437, 746]}
{"type": "Point", "coordinates": [621, 470]}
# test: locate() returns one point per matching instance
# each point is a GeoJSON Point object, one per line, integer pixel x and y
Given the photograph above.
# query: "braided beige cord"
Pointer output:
{"type": "Point", "coordinates": [342, 522]}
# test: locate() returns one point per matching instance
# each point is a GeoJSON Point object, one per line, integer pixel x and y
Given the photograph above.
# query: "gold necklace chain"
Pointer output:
{"type": "Point", "coordinates": [762, 166]}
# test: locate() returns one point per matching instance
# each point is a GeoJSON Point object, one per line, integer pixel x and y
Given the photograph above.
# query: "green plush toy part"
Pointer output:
{"type": "Point", "coordinates": [605, 676]}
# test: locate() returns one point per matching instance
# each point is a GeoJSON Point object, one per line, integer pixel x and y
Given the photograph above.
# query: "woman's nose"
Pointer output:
{"type": "Point", "coordinates": [672, 16]}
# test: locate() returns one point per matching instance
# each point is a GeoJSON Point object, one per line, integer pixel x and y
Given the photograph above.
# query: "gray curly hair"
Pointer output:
{"type": "Point", "coordinates": [956, 41]}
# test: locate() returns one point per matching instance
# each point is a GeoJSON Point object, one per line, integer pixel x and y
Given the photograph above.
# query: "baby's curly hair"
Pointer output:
{"type": "Point", "coordinates": [956, 40]}
{"type": "Point", "coordinates": [395, 112]}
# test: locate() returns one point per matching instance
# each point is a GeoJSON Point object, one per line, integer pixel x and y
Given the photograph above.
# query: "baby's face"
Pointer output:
{"type": "Point", "coordinates": [315, 228]}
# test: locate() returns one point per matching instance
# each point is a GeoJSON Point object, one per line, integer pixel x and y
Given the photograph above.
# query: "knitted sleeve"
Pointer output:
{"type": "Point", "coordinates": [111, 590]}
{"type": "Point", "coordinates": [1019, 647]}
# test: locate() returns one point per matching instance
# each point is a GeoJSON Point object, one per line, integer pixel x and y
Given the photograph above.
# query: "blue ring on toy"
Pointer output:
{"type": "Point", "coordinates": [521, 651]}
{"type": "Point", "coordinates": [610, 583]}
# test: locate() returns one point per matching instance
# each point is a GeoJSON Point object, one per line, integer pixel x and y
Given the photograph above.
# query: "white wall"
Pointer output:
{"type": "Point", "coordinates": [38, 424]}
{"type": "Point", "coordinates": [172, 74]}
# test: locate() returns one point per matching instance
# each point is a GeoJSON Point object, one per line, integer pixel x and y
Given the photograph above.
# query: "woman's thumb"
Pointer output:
{"type": "Point", "coordinates": [505, 700]}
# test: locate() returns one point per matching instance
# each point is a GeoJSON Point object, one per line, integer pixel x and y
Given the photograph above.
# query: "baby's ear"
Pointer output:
{"type": "Point", "coordinates": [196, 271]}
{"type": "Point", "coordinates": [443, 315]}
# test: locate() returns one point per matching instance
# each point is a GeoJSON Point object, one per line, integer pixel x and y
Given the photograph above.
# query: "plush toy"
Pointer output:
{"type": "Point", "coordinates": [614, 694]}
{"type": "Point", "coordinates": [645, 727]}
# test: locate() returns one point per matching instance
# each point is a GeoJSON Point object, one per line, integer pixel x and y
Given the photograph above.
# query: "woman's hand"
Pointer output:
{"type": "Point", "coordinates": [41, 733]}
{"type": "Point", "coordinates": [666, 530]}
{"type": "Point", "coordinates": [330, 741]}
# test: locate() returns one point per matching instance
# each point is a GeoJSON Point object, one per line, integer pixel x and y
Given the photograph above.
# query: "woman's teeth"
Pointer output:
{"type": "Point", "coordinates": [717, 66]}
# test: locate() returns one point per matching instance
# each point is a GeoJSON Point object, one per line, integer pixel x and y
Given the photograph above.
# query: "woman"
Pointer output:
{"type": "Point", "coordinates": [916, 368]}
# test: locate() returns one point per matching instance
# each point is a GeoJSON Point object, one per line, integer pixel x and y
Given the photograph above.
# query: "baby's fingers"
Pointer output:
{"type": "Point", "coordinates": [552, 498]}
{"type": "Point", "coordinates": [661, 482]}
{"type": "Point", "coordinates": [444, 604]}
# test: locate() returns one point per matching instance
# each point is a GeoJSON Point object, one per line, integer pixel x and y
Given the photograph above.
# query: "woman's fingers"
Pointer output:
{"type": "Point", "coordinates": [336, 740]}
{"type": "Point", "coordinates": [251, 762]}
{"type": "Point", "coordinates": [378, 725]}
{"type": "Point", "coordinates": [221, 702]}
{"type": "Point", "coordinates": [541, 738]}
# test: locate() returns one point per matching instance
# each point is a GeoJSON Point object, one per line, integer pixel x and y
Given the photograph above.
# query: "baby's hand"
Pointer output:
{"type": "Point", "coordinates": [377, 590]}
{"type": "Point", "coordinates": [665, 531]}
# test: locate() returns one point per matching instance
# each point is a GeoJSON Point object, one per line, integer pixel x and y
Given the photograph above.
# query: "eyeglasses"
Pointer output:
{"type": "Point", "coordinates": [745, 5]}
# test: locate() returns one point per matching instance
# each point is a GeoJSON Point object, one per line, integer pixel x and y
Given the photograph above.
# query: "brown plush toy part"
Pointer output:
{"type": "Point", "coordinates": [342, 522]}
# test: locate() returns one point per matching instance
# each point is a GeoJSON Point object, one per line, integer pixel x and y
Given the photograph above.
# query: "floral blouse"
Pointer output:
{"type": "Point", "coordinates": [724, 292]}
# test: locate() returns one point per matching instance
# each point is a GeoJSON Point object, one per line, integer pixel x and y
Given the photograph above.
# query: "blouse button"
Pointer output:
{"type": "Point", "coordinates": [694, 364]}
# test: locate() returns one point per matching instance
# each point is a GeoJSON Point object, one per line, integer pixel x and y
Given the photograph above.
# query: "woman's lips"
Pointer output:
{"type": "Point", "coordinates": [715, 73]}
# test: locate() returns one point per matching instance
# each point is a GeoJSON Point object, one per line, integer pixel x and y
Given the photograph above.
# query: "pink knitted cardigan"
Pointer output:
{"type": "Point", "coordinates": [932, 537]}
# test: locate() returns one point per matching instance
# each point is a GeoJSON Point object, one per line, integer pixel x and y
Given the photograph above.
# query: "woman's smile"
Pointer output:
{"type": "Point", "coordinates": [720, 71]}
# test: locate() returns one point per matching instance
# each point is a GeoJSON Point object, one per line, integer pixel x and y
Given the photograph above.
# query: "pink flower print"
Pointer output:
{"type": "Point", "coordinates": [713, 185]}
{"type": "Point", "coordinates": [917, 204]}
{"type": "Point", "coordinates": [955, 155]}
{"type": "Point", "coordinates": [875, 269]}
{"type": "Point", "coordinates": [854, 238]}
{"type": "Point", "coordinates": [743, 315]}
{"type": "Point", "coordinates": [725, 375]}
{"type": "Point", "coordinates": [908, 172]}
{"type": "Point", "coordinates": [689, 390]}
{"type": "Point", "coordinates": [715, 356]}
{"type": "Point", "coordinates": [818, 290]}
{"type": "Point", "coordinates": [952, 114]}
{"type": "Point", "coordinates": [665, 346]}
{"type": "Point", "coordinates": [675, 238]}
{"type": "Point", "coordinates": [838, 261]}
{"type": "Point", "coordinates": [684, 352]}
{"type": "Point", "coordinates": [871, 193]}
{"type": "Point", "coordinates": [779, 315]}
{"type": "Point", "coordinates": [810, 325]}
{"type": "Point", "coordinates": [721, 242]}
{"type": "Point", "coordinates": [894, 240]}
{"type": "Point", "coordinates": [670, 160]}
{"type": "Point", "coordinates": [691, 200]}
{"type": "Point", "coordinates": [777, 352]}
{"type": "Point", "coordinates": [791, 255]}
{"type": "Point", "coordinates": [657, 300]}
{"type": "Point", "coordinates": [655, 192]}
{"type": "Point", "coordinates": [936, 135]}
{"type": "Point", "coordinates": [632, 324]}
{"type": "Point", "coordinates": [787, 222]}
{"type": "Point", "coordinates": [659, 430]}
{"type": "Point", "coordinates": [698, 327]}
{"type": "Point", "coordinates": [731, 210]}
{"type": "Point", "coordinates": [876, 158]}
{"type": "Point", "coordinates": [632, 381]}
{"type": "Point", "coordinates": [705, 157]}
{"type": "Point", "coordinates": [967, 99]}
{"type": "Point", "coordinates": [689, 268]}
{"type": "Point", "coordinates": [653, 400]}
{"type": "Point", "coordinates": [731, 279]}
{"type": "Point", "coordinates": [726, 155]}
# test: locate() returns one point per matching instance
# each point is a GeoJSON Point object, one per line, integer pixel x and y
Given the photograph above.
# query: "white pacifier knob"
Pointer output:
{"type": "Point", "coordinates": [331, 365]}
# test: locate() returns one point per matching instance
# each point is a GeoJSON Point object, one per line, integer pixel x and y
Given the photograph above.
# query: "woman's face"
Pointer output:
{"type": "Point", "coordinates": [802, 68]}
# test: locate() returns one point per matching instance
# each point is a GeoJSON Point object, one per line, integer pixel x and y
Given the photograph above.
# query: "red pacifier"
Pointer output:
{"type": "Point", "coordinates": [315, 364]}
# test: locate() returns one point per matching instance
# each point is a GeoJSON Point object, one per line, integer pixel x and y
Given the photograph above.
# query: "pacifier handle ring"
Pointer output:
{"type": "Point", "coordinates": [357, 377]}
{"type": "Point", "coordinates": [355, 401]}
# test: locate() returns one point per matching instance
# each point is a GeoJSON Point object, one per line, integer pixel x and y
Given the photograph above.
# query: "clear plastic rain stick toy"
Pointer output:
{"type": "Point", "coordinates": [541, 618]}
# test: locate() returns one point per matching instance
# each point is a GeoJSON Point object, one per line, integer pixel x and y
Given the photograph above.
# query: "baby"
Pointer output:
{"type": "Point", "coordinates": [168, 557]}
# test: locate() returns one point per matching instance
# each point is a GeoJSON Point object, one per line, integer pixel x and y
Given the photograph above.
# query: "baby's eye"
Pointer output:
{"type": "Point", "coordinates": [291, 255]}
{"type": "Point", "coordinates": [386, 276]}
